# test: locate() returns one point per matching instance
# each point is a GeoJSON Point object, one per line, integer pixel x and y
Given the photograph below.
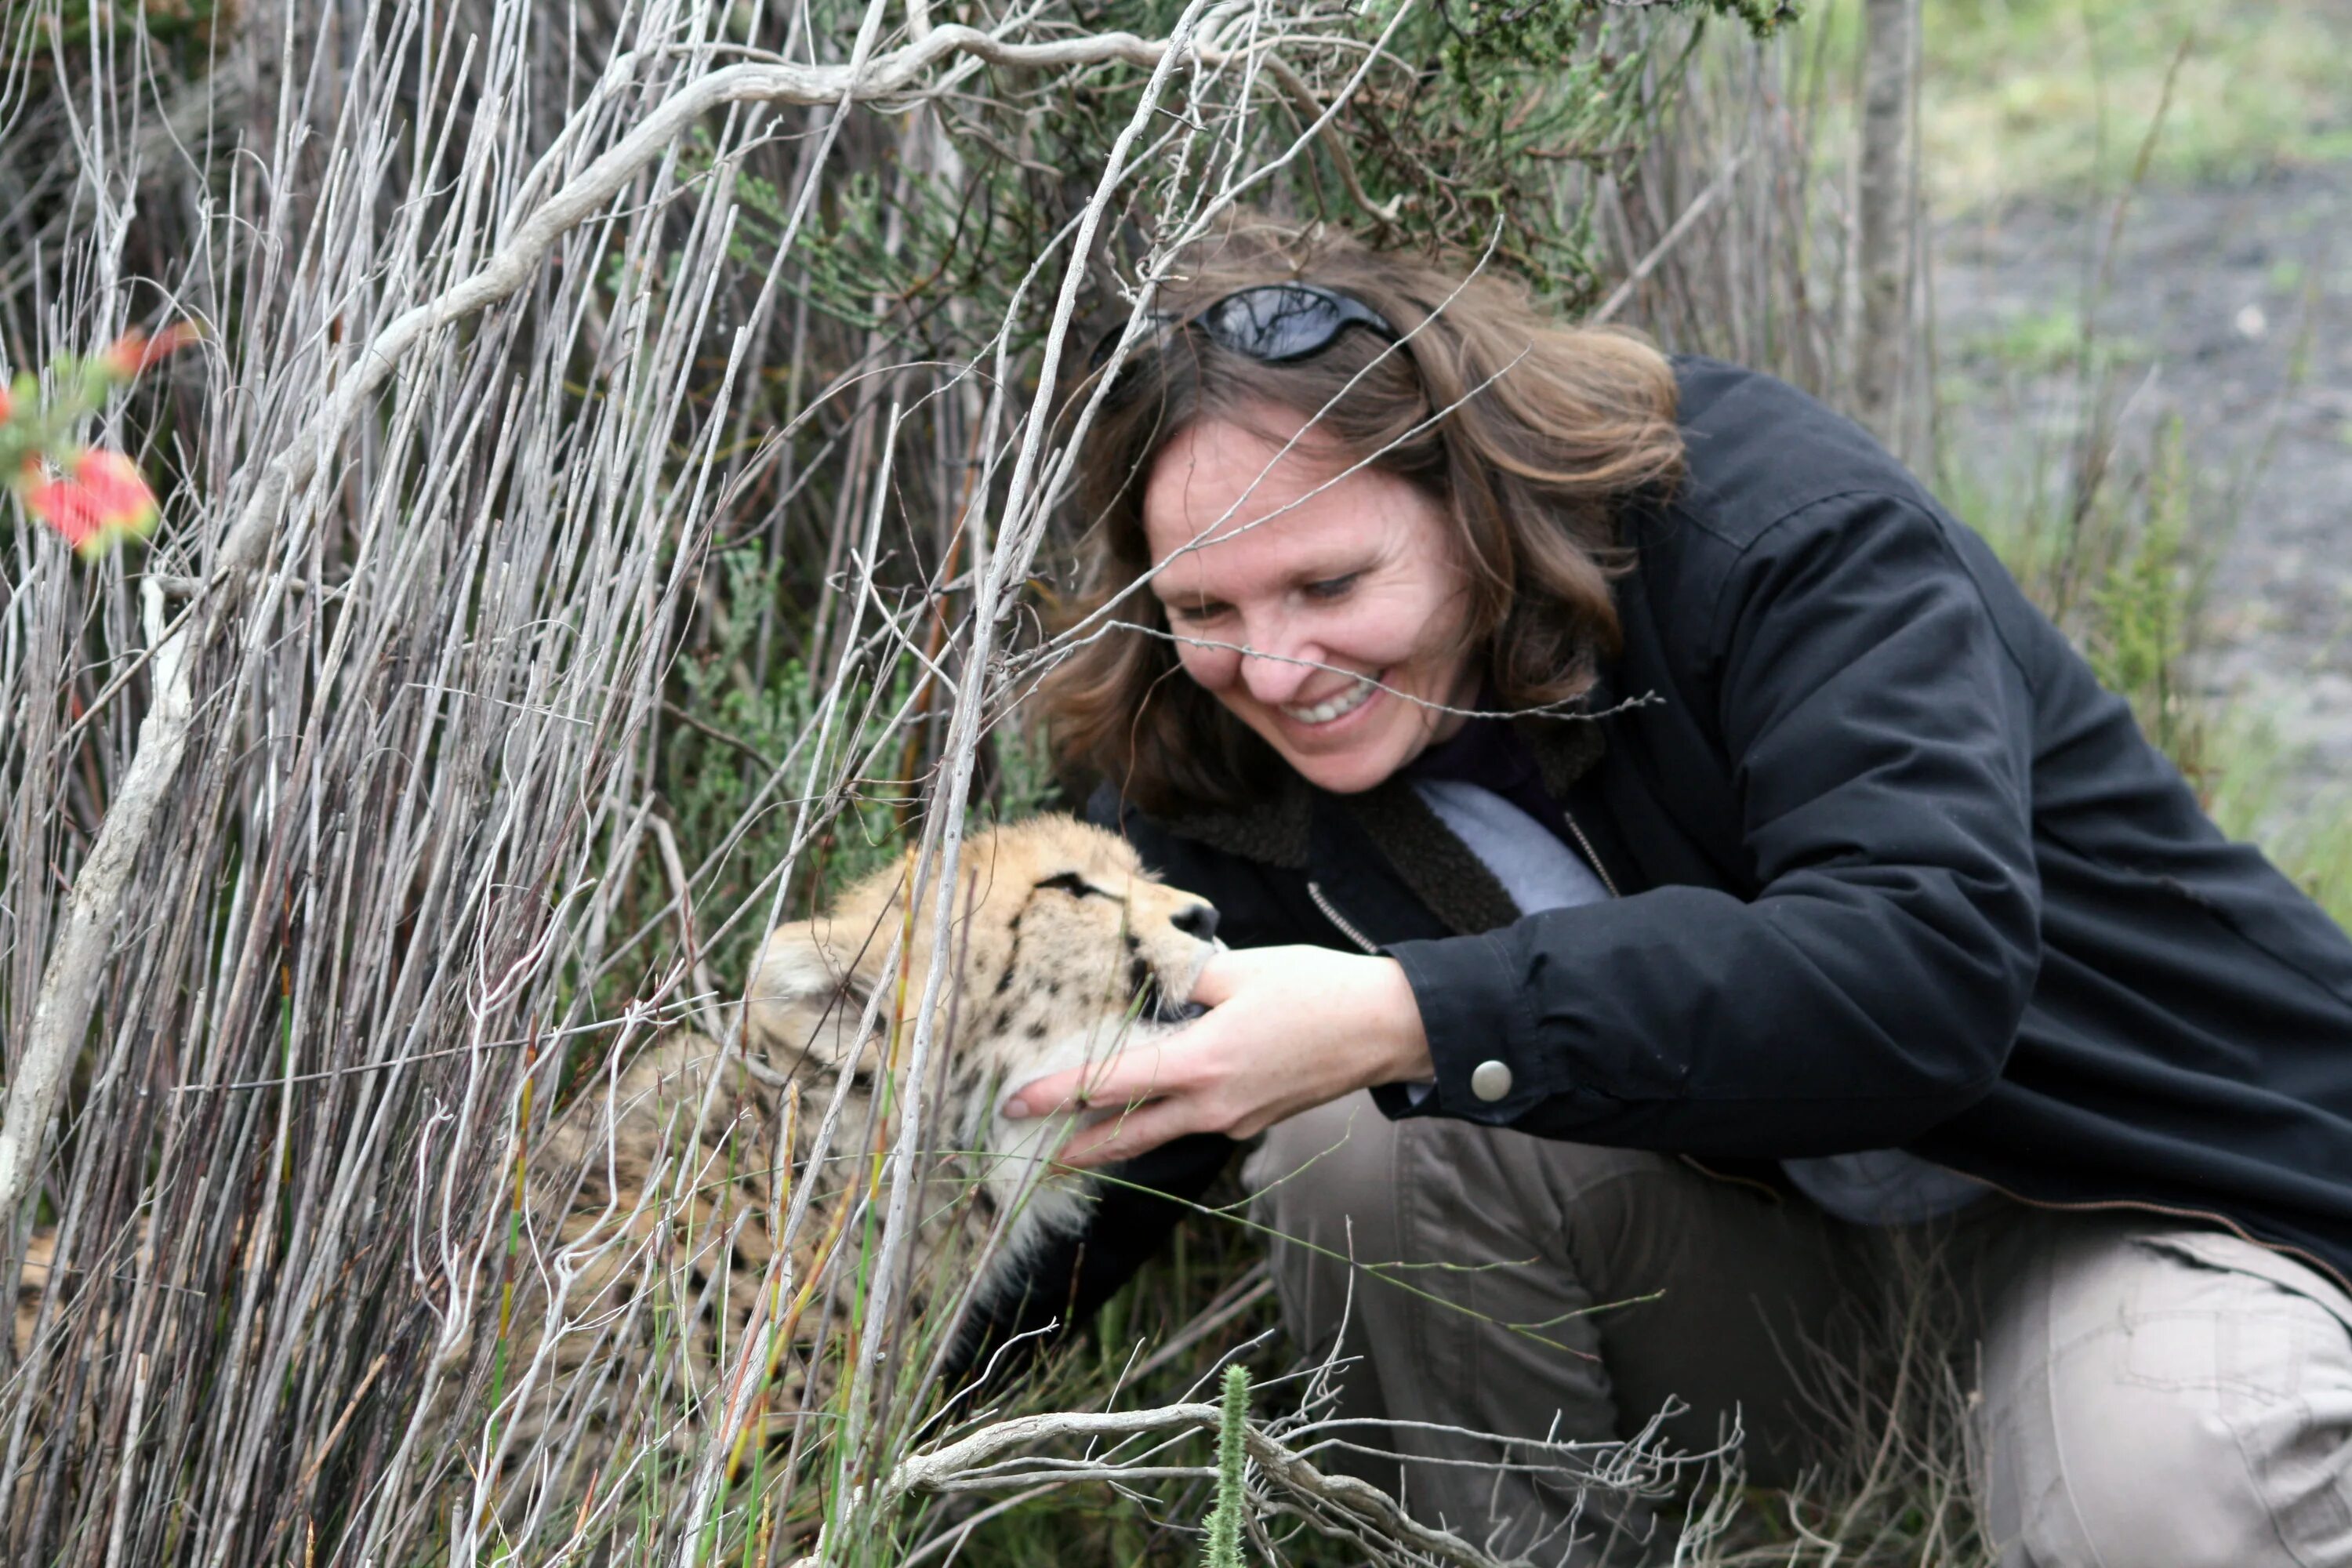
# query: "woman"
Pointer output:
{"type": "Point", "coordinates": [1852, 910]}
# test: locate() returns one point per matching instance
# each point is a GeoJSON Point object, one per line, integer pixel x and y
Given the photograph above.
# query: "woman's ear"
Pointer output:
{"type": "Point", "coordinates": [804, 1003]}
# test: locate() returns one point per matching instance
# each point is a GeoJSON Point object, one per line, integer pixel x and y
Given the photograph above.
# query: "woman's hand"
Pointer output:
{"type": "Point", "coordinates": [1287, 1028]}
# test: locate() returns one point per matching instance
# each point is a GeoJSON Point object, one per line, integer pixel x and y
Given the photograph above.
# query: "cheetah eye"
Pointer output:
{"type": "Point", "coordinates": [1070, 882]}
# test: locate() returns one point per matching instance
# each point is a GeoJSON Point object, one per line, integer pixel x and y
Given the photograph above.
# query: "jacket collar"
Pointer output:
{"type": "Point", "coordinates": [1452, 883]}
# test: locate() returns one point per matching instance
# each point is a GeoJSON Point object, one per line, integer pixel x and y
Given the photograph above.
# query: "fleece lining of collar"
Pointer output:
{"type": "Point", "coordinates": [1453, 883]}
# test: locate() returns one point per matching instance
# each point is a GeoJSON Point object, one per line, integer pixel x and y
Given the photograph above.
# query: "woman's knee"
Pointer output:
{"type": "Point", "coordinates": [1344, 1170]}
{"type": "Point", "coordinates": [1326, 1173]}
{"type": "Point", "coordinates": [1322, 1190]}
{"type": "Point", "coordinates": [2169, 1402]}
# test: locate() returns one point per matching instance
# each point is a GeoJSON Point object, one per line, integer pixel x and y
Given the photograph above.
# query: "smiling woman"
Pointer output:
{"type": "Point", "coordinates": [1810, 850]}
{"type": "Point", "coordinates": [1324, 606]}
{"type": "Point", "coordinates": [1441, 465]}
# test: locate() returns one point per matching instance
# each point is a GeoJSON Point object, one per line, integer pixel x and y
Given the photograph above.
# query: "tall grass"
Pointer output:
{"type": "Point", "coordinates": [606, 511]}
{"type": "Point", "coordinates": [629, 611]}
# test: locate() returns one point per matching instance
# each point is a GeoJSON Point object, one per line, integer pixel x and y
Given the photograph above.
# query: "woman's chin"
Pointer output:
{"type": "Point", "coordinates": [1351, 772]}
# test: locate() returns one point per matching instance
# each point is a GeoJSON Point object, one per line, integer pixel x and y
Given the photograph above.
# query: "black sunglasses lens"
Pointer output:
{"type": "Point", "coordinates": [1273, 322]}
{"type": "Point", "coordinates": [1278, 322]}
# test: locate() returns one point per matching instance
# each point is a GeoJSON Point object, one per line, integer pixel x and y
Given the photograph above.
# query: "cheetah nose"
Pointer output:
{"type": "Point", "coordinates": [1198, 920]}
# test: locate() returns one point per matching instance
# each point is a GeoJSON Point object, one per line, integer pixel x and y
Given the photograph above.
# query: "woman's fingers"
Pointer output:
{"type": "Point", "coordinates": [1142, 1071]}
{"type": "Point", "coordinates": [1133, 1075]}
{"type": "Point", "coordinates": [1141, 1098]}
{"type": "Point", "coordinates": [1129, 1131]}
{"type": "Point", "coordinates": [1042, 1095]}
{"type": "Point", "coordinates": [1219, 977]}
{"type": "Point", "coordinates": [1286, 1028]}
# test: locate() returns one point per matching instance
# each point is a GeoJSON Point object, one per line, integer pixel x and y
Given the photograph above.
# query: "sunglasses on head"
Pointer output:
{"type": "Point", "coordinates": [1273, 323]}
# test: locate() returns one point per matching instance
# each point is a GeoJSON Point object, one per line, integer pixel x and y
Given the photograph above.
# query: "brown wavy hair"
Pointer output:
{"type": "Point", "coordinates": [1528, 432]}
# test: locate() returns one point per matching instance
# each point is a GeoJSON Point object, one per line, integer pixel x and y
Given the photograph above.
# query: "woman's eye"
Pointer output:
{"type": "Point", "coordinates": [1331, 587]}
{"type": "Point", "coordinates": [1195, 614]}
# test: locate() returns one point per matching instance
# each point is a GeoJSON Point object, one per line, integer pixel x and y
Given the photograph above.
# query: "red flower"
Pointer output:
{"type": "Point", "coordinates": [7, 404]}
{"type": "Point", "coordinates": [134, 351]}
{"type": "Point", "coordinates": [103, 499]}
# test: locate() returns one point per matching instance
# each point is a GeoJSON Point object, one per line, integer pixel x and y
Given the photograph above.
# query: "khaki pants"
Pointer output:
{"type": "Point", "coordinates": [2144, 1396]}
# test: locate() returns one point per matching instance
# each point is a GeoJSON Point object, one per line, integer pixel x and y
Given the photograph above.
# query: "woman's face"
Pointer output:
{"type": "Point", "coordinates": [1329, 583]}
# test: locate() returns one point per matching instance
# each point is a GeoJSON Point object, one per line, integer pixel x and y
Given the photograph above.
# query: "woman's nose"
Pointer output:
{"type": "Point", "coordinates": [1275, 674]}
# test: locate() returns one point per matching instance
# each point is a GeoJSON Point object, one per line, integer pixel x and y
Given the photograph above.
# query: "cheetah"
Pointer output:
{"type": "Point", "coordinates": [667, 1185]}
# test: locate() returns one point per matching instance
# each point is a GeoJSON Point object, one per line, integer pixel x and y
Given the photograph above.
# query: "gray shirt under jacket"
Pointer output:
{"type": "Point", "coordinates": [1539, 872]}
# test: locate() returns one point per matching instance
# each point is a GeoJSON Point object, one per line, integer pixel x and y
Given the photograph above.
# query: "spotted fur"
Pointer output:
{"type": "Point", "coordinates": [1062, 950]}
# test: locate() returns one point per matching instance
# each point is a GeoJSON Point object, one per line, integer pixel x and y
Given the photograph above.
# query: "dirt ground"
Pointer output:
{"type": "Point", "coordinates": [2232, 308]}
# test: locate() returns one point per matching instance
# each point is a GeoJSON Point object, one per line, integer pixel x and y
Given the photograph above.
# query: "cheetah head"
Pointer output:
{"type": "Point", "coordinates": [1062, 951]}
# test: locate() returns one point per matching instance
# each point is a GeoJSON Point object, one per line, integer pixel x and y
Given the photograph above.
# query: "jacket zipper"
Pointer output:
{"type": "Point", "coordinates": [1586, 845]}
{"type": "Point", "coordinates": [1330, 912]}
{"type": "Point", "coordinates": [1315, 891]}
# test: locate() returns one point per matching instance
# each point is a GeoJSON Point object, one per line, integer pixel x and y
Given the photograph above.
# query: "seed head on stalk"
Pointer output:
{"type": "Point", "coordinates": [1223, 1548]}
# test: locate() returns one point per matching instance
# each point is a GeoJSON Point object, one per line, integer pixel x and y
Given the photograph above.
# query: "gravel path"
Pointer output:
{"type": "Point", "coordinates": [2232, 307]}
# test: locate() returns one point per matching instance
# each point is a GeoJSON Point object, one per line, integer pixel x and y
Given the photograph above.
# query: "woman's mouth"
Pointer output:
{"type": "Point", "coordinates": [1332, 707]}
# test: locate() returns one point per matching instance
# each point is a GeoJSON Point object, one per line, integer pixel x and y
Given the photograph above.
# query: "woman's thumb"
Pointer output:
{"type": "Point", "coordinates": [1220, 978]}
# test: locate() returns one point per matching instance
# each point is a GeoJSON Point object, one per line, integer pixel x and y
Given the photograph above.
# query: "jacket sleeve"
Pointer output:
{"type": "Point", "coordinates": [1878, 735]}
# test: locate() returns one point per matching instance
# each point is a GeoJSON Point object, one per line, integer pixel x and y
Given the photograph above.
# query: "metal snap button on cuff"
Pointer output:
{"type": "Point", "coordinates": [1490, 1081]}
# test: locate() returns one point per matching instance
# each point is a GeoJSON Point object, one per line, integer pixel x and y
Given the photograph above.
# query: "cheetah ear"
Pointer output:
{"type": "Point", "coordinates": [804, 1002]}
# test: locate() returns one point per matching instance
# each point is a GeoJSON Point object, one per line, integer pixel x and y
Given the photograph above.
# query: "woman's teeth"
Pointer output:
{"type": "Point", "coordinates": [1346, 702]}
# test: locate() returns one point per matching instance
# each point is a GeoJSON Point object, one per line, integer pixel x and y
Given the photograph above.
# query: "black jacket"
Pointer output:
{"type": "Point", "coordinates": [1895, 871]}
